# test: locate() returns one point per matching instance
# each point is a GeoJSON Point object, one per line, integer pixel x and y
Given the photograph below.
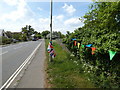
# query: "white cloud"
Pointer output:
{"type": "Point", "coordinates": [39, 8]}
{"type": "Point", "coordinates": [23, 15]}
{"type": "Point", "coordinates": [44, 20]}
{"type": "Point", "coordinates": [69, 8]}
{"type": "Point", "coordinates": [11, 2]}
{"type": "Point", "coordinates": [67, 25]}
{"type": "Point", "coordinates": [60, 17]}
{"type": "Point", "coordinates": [16, 14]}
{"type": "Point", "coordinates": [19, 17]}
{"type": "Point", "coordinates": [44, 23]}
{"type": "Point", "coordinates": [73, 22]}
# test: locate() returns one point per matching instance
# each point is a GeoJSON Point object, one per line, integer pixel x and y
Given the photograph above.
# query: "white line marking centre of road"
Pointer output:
{"type": "Point", "coordinates": [14, 75]}
{"type": "Point", "coordinates": [18, 47]}
{"type": "Point", "coordinates": [4, 53]}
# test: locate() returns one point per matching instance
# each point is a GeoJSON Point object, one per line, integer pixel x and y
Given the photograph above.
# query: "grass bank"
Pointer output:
{"type": "Point", "coordinates": [65, 70]}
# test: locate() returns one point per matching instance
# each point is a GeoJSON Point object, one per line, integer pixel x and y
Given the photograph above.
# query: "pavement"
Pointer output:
{"type": "Point", "coordinates": [34, 76]}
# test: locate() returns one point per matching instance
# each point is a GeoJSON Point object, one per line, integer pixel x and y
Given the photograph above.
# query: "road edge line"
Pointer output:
{"type": "Point", "coordinates": [14, 75]}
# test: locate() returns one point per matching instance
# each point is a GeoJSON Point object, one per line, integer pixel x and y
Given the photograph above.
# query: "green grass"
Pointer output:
{"type": "Point", "coordinates": [65, 70]}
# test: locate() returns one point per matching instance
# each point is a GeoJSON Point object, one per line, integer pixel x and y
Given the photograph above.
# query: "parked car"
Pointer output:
{"type": "Point", "coordinates": [34, 39]}
{"type": "Point", "coordinates": [14, 40]}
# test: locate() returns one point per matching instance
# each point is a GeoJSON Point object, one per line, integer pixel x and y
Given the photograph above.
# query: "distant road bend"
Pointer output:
{"type": "Point", "coordinates": [14, 55]}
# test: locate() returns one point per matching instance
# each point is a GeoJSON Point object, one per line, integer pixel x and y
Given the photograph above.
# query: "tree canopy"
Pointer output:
{"type": "Point", "coordinates": [45, 33]}
{"type": "Point", "coordinates": [102, 30]}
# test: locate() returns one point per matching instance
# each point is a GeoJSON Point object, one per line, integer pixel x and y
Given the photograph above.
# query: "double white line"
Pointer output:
{"type": "Point", "coordinates": [14, 75]}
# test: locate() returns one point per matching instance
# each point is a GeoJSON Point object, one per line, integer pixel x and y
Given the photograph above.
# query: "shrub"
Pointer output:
{"type": "Point", "coordinates": [102, 25]}
{"type": "Point", "coordinates": [6, 40]}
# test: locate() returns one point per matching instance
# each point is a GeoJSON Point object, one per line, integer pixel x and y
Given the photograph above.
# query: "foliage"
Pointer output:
{"type": "Point", "coordinates": [6, 40]}
{"type": "Point", "coordinates": [102, 29]}
{"type": "Point", "coordinates": [56, 35]}
{"type": "Point", "coordinates": [16, 35]}
{"type": "Point", "coordinates": [23, 37]}
{"type": "Point", "coordinates": [45, 33]}
{"type": "Point", "coordinates": [64, 70]}
{"type": "Point", "coordinates": [38, 35]}
{"type": "Point", "coordinates": [28, 31]}
{"type": "Point", "coordinates": [9, 34]}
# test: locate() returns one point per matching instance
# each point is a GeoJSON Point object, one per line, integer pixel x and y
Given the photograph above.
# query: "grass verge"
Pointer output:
{"type": "Point", "coordinates": [65, 70]}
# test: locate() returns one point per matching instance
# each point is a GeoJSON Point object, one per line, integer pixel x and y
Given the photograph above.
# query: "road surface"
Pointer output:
{"type": "Point", "coordinates": [34, 76]}
{"type": "Point", "coordinates": [14, 55]}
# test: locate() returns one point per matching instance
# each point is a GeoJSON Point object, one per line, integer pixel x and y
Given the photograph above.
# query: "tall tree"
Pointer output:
{"type": "Point", "coordinates": [103, 25]}
{"type": "Point", "coordinates": [102, 29]}
{"type": "Point", "coordinates": [28, 30]}
{"type": "Point", "coordinates": [45, 33]}
{"type": "Point", "coordinates": [16, 35]}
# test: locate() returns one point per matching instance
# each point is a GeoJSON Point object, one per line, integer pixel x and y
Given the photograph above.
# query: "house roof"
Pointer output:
{"type": "Point", "coordinates": [1, 31]}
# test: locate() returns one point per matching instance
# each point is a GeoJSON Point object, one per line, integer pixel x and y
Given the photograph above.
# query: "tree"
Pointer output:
{"type": "Point", "coordinates": [9, 34]}
{"type": "Point", "coordinates": [103, 25]}
{"type": "Point", "coordinates": [38, 35]}
{"type": "Point", "coordinates": [16, 35]}
{"type": "Point", "coordinates": [23, 37]}
{"type": "Point", "coordinates": [45, 33]}
{"type": "Point", "coordinates": [5, 40]}
{"type": "Point", "coordinates": [102, 29]}
{"type": "Point", "coordinates": [28, 30]}
{"type": "Point", "coordinates": [60, 35]}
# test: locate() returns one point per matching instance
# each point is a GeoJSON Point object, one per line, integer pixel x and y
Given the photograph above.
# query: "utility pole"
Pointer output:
{"type": "Point", "coordinates": [51, 26]}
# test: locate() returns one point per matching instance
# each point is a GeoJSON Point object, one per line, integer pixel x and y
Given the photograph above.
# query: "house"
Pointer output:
{"type": "Point", "coordinates": [32, 36]}
{"type": "Point", "coordinates": [2, 33]}
{"type": "Point", "coordinates": [53, 36]}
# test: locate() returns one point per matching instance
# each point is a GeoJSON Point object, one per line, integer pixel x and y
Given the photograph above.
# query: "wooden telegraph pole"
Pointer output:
{"type": "Point", "coordinates": [51, 26]}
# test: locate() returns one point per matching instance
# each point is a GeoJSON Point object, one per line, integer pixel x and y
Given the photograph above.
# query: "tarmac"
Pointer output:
{"type": "Point", "coordinates": [34, 74]}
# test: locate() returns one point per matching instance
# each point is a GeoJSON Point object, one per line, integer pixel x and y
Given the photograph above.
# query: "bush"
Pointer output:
{"type": "Point", "coordinates": [104, 34]}
{"type": "Point", "coordinates": [6, 40]}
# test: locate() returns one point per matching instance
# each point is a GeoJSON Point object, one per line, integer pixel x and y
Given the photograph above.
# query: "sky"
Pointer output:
{"type": "Point", "coordinates": [15, 14]}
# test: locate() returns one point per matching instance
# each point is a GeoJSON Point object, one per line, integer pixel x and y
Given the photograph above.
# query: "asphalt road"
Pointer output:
{"type": "Point", "coordinates": [14, 55]}
{"type": "Point", "coordinates": [34, 75]}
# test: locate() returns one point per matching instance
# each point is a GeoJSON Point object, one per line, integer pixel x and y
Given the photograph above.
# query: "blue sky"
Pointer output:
{"type": "Point", "coordinates": [15, 14]}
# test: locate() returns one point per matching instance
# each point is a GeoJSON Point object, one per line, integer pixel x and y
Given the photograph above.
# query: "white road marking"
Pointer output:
{"type": "Point", "coordinates": [14, 75]}
{"type": "Point", "coordinates": [4, 53]}
{"type": "Point", "coordinates": [26, 44]}
{"type": "Point", "coordinates": [15, 45]}
{"type": "Point", "coordinates": [18, 47]}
